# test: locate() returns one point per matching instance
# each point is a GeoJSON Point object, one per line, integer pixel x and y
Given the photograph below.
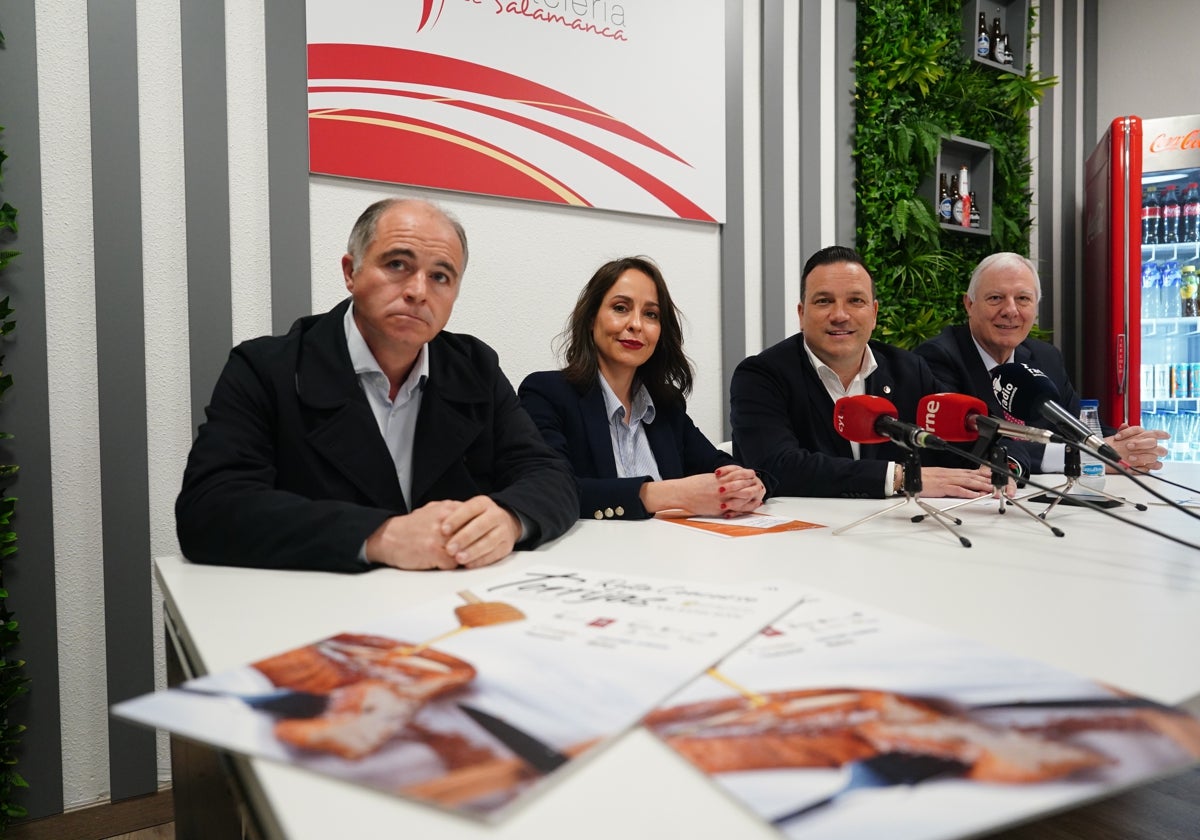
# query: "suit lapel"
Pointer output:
{"type": "Point", "coordinates": [593, 414]}
{"type": "Point", "coordinates": [340, 426]}
{"type": "Point", "coordinates": [446, 417]}
{"type": "Point", "coordinates": [820, 405]}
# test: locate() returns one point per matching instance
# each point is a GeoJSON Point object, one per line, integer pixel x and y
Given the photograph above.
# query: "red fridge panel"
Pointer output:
{"type": "Point", "coordinates": [1112, 272]}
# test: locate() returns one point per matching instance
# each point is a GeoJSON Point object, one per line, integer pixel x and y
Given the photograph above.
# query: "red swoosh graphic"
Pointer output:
{"type": "Point", "coordinates": [426, 8]}
{"type": "Point", "coordinates": [392, 64]}
{"type": "Point", "coordinates": [434, 156]}
{"type": "Point", "coordinates": [679, 204]}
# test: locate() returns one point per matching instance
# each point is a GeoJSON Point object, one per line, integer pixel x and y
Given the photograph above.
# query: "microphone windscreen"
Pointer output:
{"type": "Point", "coordinates": [1022, 390]}
{"type": "Point", "coordinates": [946, 415]}
{"type": "Point", "coordinates": [855, 417]}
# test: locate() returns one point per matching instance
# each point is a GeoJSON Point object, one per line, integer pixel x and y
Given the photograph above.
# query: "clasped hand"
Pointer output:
{"type": "Point", "coordinates": [446, 535]}
{"type": "Point", "coordinates": [1139, 447]}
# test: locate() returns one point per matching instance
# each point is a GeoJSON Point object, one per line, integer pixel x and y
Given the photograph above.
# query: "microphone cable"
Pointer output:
{"type": "Point", "coordinates": [1077, 500]}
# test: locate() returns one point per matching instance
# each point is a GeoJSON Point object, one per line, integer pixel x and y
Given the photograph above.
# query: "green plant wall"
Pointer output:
{"type": "Point", "coordinates": [914, 84]}
{"type": "Point", "coordinates": [13, 682]}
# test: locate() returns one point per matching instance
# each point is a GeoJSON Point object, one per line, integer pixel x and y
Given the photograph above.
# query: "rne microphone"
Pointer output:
{"type": "Point", "coordinates": [961, 418]}
{"type": "Point", "coordinates": [866, 418]}
{"type": "Point", "coordinates": [1028, 394]}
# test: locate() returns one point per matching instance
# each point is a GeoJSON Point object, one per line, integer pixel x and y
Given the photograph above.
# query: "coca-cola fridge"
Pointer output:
{"type": "Point", "coordinates": [1141, 333]}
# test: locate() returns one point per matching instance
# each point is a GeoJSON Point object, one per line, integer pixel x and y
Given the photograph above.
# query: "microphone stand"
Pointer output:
{"type": "Point", "coordinates": [997, 454]}
{"type": "Point", "coordinates": [1073, 470]}
{"type": "Point", "coordinates": [912, 493]}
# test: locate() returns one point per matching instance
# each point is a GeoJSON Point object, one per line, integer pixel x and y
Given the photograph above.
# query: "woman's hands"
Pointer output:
{"type": "Point", "coordinates": [728, 491]}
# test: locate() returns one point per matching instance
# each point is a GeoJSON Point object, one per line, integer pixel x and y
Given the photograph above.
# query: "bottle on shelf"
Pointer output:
{"type": "Point", "coordinates": [1151, 290]}
{"type": "Point", "coordinates": [1187, 291]}
{"type": "Point", "coordinates": [1091, 468]}
{"type": "Point", "coordinates": [996, 54]}
{"type": "Point", "coordinates": [962, 207]}
{"type": "Point", "coordinates": [945, 202]}
{"type": "Point", "coordinates": [974, 214]}
{"type": "Point", "coordinates": [1171, 281]}
{"type": "Point", "coordinates": [1168, 232]}
{"type": "Point", "coordinates": [983, 43]}
{"type": "Point", "coordinates": [1150, 213]}
{"type": "Point", "coordinates": [1007, 56]}
{"type": "Point", "coordinates": [1189, 220]}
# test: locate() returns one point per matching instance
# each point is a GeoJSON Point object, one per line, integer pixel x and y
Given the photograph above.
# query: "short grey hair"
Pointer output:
{"type": "Point", "coordinates": [1001, 260]}
{"type": "Point", "coordinates": [363, 232]}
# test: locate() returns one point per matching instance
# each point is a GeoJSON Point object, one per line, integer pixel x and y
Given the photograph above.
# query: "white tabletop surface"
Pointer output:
{"type": "Point", "coordinates": [1107, 601]}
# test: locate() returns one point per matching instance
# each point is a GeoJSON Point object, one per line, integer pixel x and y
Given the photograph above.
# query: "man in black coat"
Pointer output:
{"type": "Point", "coordinates": [1001, 303]}
{"type": "Point", "coordinates": [781, 401]}
{"type": "Point", "coordinates": [369, 436]}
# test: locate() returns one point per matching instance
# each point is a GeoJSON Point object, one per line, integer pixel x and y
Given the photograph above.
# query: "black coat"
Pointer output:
{"type": "Point", "coordinates": [782, 419]}
{"type": "Point", "coordinates": [573, 421]}
{"type": "Point", "coordinates": [290, 470]}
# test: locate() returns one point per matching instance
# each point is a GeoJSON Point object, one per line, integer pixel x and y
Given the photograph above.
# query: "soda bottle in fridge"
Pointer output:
{"type": "Point", "coordinates": [1150, 212]}
{"type": "Point", "coordinates": [1169, 228]}
{"type": "Point", "coordinates": [1189, 220]}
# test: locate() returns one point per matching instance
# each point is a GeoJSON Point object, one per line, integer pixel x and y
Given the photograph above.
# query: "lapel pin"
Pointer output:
{"type": "Point", "coordinates": [887, 389]}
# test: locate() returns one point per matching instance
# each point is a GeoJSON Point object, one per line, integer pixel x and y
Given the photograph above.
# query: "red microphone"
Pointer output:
{"type": "Point", "coordinates": [959, 418]}
{"type": "Point", "coordinates": [854, 417]}
{"type": "Point", "coordinates": [951, 416]}
{"type": "Point", "coordinates": [866, 418]}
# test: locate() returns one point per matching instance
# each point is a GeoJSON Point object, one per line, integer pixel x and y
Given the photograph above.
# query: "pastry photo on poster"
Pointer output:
{"type": "Point", "coordinates": [473, 702]}
{"type": "Point", "coordinates": [842, 721]}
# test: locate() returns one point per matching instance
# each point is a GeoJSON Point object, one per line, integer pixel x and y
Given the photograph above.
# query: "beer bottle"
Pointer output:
{"type": "Point", "coordinates": [974, 216]}
{"type": "Point", "coordinates": [996, 54]}
{"type": "Point", "coordinates": [945, 203]}
{"type": "Point", "coordinates": [983, 44]}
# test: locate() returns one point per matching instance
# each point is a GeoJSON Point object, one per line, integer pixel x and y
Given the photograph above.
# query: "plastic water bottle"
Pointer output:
{"type": "Point", "coordinates": [1091, 469]}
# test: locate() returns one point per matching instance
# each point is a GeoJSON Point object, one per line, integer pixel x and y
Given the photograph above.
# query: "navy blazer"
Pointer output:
{"type": "Point", "coordinates": [573, 421]}
{"type": "Point", "coordinates": [957, 366]}
{"type": "Point", "coordinates": [290, 470]}
{"type": "Point", "coordinates": [782, 420]}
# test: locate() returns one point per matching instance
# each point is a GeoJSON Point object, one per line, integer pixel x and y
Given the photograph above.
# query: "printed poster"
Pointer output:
{"type": "Point", "coordinates": [842, 721]}
{"type": "Point", "coordinates": [614, 104]}
{"type": "Point", "coordinates": [475, 701]}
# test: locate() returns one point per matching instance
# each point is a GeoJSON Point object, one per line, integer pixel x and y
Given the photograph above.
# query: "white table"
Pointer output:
{"type": "Point", "coordinates": [1107, 601]}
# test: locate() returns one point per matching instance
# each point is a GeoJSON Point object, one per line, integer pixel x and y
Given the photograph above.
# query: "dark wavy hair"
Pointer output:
{"type": "Point", "coordinates": [667, 374]}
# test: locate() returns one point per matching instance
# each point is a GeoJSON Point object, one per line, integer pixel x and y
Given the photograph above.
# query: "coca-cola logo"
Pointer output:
{"type": "Point", "coordinates": [1175, 142]}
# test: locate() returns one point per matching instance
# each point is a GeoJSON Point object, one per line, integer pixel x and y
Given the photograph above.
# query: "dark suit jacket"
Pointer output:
{"type": "Point", "coordinates": [954, 360]}
{"type": "Point", "coordinates": [782, 420]}
{"type": "Point", "coordinates": [290, 470]}
{"type": "Point", "coordinates": [573, 421]}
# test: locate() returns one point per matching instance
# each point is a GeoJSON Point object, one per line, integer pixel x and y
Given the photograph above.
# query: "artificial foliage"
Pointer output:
{"type": "Point", "coordinates": [911, 90]}
{"type": "Point", "coordinates": [13, 682]}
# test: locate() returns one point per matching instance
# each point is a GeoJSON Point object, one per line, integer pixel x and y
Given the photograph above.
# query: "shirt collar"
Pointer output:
{"type": "Point", "coordinates": [827, 374]}
{"type": "Point", "coordinates": [641, 408]}
{"type": "Point", "coordinates": [988, 361]}
{"type": "Point", "coordinates": [364, 360]}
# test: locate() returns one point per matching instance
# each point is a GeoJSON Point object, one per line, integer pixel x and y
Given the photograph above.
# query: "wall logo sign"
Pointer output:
{"type": "Point", "coordinates": [582, 102]}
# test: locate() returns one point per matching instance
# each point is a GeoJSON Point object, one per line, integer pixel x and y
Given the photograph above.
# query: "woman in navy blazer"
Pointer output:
{"type": "Point", "coordinates": [624, 349]}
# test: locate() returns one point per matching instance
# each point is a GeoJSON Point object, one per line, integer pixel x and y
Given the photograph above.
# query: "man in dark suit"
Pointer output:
{"type": "Point", "coordinates": [782, 399]}
{"type": "Point", "coordinates": [1001, 303]}
{"type": "Point", "coordinates": [369, 436]}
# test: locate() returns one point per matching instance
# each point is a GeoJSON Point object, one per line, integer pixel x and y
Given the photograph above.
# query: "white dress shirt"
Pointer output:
{"type": "Point", "coordinates": [631, 450]}
{"type": "Point", "coordinates": [858, 385]}
{"type": "Point", "coordinates": [397, 418]}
